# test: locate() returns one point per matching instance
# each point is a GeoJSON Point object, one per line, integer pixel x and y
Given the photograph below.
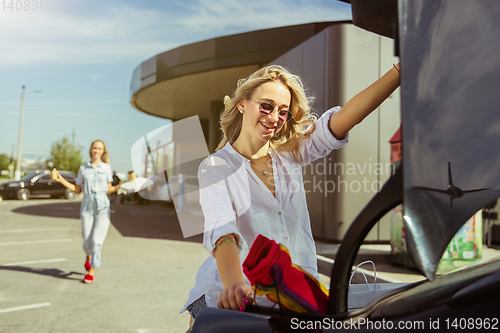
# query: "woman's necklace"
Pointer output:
{"type": "Point", "coordinates": [262, 172]}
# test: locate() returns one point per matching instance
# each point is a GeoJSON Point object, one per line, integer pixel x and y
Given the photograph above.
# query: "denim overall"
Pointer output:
{"type": "Point", "coordinates": [95, 208]}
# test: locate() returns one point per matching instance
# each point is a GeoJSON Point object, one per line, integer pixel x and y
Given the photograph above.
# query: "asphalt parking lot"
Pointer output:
{"type": "Point", "coordinates": [147, 270]}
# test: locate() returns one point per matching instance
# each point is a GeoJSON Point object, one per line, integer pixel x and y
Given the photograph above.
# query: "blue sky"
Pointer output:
{"type": "Point", "coordinates": [81, 54]}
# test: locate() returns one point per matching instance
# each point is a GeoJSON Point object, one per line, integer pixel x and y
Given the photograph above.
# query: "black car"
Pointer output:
{"type": "Point", "coordinates": [37, 183]}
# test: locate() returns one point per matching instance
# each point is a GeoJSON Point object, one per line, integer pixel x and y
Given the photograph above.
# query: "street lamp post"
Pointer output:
{"type": "Point", "coordinates": [17, 173]}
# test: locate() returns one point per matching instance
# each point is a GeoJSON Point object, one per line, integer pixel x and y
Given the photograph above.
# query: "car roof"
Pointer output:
{"type": "Point", "coordinates": [47, 172]}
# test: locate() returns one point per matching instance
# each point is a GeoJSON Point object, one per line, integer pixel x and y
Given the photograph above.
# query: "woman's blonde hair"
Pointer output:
{"type": "Point", "coordinates": [105, 154]}
{"type": "Point", "coordinates": [287, 139]}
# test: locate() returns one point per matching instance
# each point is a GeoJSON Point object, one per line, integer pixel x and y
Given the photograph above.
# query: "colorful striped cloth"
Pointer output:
{"type": "Point", "coordinates": [269, 269]}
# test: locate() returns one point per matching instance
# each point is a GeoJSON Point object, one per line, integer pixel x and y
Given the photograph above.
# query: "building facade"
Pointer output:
{"type": "Point", "coordinates": [335, 59]}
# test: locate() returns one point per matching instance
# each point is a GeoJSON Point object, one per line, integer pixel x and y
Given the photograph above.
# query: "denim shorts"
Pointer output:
{"type": "Point", "coordinates": [196, 306]}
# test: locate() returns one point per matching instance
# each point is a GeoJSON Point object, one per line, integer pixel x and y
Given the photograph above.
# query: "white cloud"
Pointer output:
{"type": "Point", "coordinates": [114, 35]}
{"type": "Point", "coordinates": [52, 102]}
{"type": "Point", "coordinates": [121, 33]}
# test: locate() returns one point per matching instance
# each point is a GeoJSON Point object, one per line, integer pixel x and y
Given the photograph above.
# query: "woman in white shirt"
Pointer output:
{"type": "Point", "coordinates": [253, 183]}
{"type": "Point", "coordinates": [94, 180]}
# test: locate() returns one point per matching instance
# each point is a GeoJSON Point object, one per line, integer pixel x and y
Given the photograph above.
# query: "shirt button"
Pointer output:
{"type": "Point", "coordinates": [279, 213]}
{"type": "Point", "coordinates": [286, 238]}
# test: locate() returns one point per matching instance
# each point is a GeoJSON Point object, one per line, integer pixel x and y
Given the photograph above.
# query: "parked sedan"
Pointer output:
{"type": "Point", "coordinates": [37, 183]}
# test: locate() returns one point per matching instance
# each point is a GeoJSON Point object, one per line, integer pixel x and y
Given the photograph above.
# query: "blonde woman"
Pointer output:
{"type": "Point", "coordinates": [253, 183]}
{"type": "Point", "coordinates": [94, 180]}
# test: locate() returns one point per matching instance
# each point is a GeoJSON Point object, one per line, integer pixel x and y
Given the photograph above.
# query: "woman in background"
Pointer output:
{"type": "Point", "coordinates": [94, 180]}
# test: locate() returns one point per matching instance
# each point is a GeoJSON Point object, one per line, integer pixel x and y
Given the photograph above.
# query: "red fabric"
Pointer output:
{"type": "Point", "coordinates": [270, 265]}
{"type": "Point", "coordinates": [264, 253]}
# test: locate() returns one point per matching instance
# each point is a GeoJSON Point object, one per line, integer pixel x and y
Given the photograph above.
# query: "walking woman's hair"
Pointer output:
{"type": "Point", "coordinates": [287, 139]}
{"type": "Point", "coordinates": [105, 154]}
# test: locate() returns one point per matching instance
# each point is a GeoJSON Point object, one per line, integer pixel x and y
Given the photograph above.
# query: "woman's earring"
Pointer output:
{"type": "Point", "coordinates": [241, 111]}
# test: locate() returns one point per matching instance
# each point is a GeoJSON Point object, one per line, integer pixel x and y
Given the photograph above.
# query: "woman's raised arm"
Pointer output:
{"type": "Point", "coordinates": [364, 103]}
{"type": "Point", "coordinates": [113, 189]}
{"type": "Point", "coordinates": [73, 187]}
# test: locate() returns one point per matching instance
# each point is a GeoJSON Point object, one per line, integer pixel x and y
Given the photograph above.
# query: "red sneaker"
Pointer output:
{"type": "Point", "coordinates": [87, 266]}
{"type": "Point", "coordinates": [88, 278]}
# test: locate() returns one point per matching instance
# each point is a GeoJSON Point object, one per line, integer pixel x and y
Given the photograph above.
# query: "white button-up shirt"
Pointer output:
{"type": "Point", "coordinates": [235, 201]}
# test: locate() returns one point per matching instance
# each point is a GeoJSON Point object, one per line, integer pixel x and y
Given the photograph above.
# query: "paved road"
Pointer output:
{"type": "Point", "coordinates": [147, 270]}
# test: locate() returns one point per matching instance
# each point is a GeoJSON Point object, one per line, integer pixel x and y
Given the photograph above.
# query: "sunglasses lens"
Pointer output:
{"type": "Point", "coordinates": [266, 107]}
{"type": "Point", "coordinates": [284, 115]}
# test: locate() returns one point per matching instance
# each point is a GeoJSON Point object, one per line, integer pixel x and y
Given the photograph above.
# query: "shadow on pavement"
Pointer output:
{"type": "Point", "coordinates": [57, 273]}
{"type": "Point", "coordinates": [65, 209]}
{"type": "Point", "coordinates": [154, 220]}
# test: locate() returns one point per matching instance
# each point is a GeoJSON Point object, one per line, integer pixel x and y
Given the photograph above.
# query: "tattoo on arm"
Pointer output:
{"type": "Point", "coordinates": [227, 239]}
